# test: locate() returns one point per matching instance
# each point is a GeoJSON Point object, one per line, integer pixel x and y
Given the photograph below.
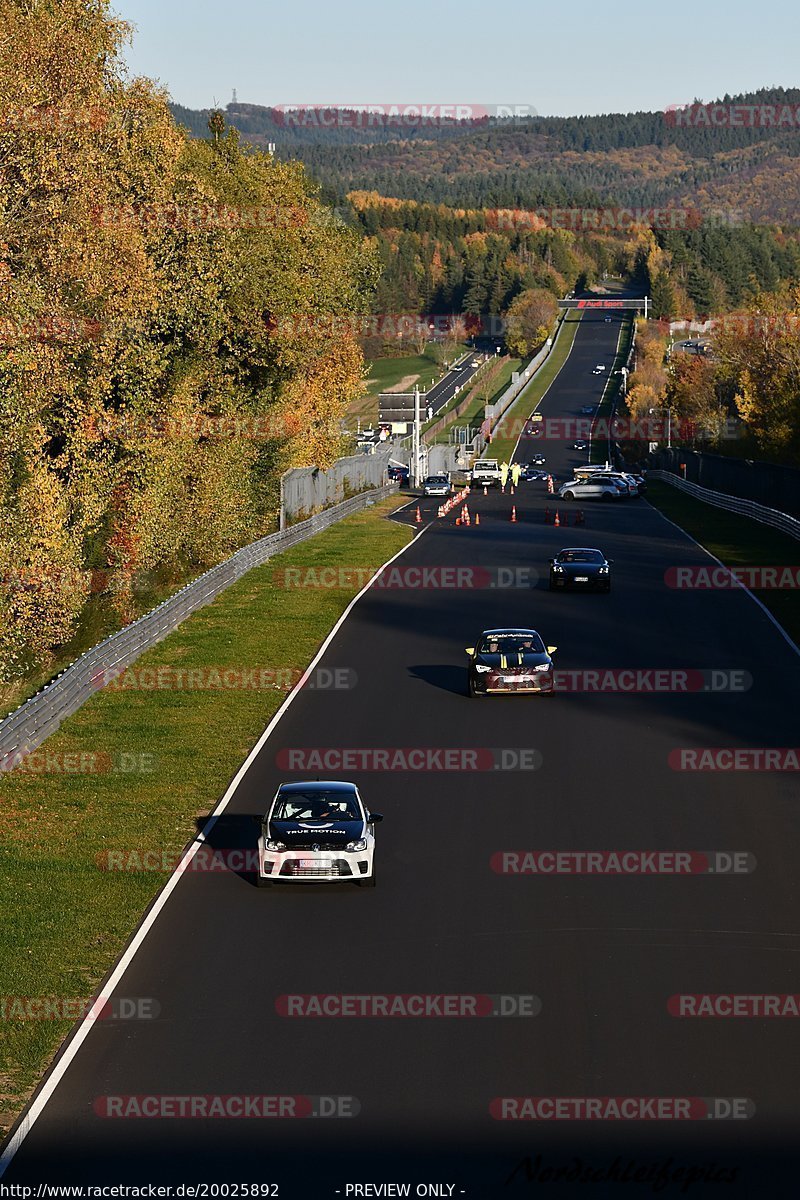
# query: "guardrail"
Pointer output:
{"type": "Point", "coordinates": [514, 390]}
{"type": "Point", "coordinates": [28, 726]}
{"type": "Point", "coordinates": [745, 508]}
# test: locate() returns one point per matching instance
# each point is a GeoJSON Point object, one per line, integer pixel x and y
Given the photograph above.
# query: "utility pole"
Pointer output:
{"type": "Point", "coordinates": [415, 440]}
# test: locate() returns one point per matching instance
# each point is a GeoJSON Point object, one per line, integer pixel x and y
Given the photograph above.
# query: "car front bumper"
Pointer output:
{"type": "Point", "coordinates": [506, 684]}
{"type": "Point", "coordinates": [594, 583]}
{"type": "Point", "coordinates": [318, 866]}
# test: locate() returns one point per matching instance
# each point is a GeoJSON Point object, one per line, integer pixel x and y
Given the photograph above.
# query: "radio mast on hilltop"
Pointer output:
{"type": "Point", "coordinates": [235, 98]}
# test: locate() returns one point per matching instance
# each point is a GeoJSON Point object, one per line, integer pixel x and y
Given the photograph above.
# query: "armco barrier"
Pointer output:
{"type": "Point", "coordinates": [28, 726]}
{"type": "Point", "coordinates": [745, 508]}
{"type": "Point", "coordinates": [514, 390]}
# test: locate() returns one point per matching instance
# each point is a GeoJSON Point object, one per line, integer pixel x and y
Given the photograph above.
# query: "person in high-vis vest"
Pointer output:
{"type": "Point", "coordinates": [503, 474]}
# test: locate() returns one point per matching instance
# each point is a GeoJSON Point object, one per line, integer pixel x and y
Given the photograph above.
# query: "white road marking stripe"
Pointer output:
{"type": "Point", "coordinates": [58, 1070]}
{"type": "Point", "coordinates": [744, 588]}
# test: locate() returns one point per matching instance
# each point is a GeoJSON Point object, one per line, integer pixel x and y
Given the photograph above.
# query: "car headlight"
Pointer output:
{"type": "Point", "coordinates": [481, 667]}
{"type": "Point", "coordinates": [274, 846]}
{"type": "Point", "coordinates": [543, 667]}
{"type": "Point", "coordinates": [359, 844]}
{"type": "Point", "coordinates": [603, 571]}
{"type": "Point", "coordinates": [559, 570]}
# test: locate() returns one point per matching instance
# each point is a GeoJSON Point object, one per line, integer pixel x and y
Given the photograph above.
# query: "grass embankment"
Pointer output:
{"type": "Point", "coordinates": [737, 542]}
{"type": "Point", "coordinates": [598, 451]}
{"type": "Point", "coordinates": [386, 374]}
{"type": "Point", "coordinates": [161, 759]}
{"type": "Point", "coordinates": [508, 431]}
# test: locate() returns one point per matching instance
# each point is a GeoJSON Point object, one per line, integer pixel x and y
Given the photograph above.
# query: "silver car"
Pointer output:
{"type": "Point", "coordinates": [436, 485]}
{"type": "Point", "coordinates": [595, 487]}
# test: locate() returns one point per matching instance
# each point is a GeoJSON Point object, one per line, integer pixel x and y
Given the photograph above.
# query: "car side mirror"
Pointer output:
{"type": "Point", "coordinates": [374, 818]}
{"type": "Point", "coordinates": [552, 649]}
{"type": "Point", "coordinates": [470, 650]}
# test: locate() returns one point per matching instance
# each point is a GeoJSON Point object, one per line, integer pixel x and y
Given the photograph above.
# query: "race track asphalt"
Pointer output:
{"type": "Point", "coordinates": [603, 953]}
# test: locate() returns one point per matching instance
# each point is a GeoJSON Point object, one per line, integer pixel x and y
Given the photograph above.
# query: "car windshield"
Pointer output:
{"type": "Point", "coordinates": [580, 556]}
{"type": "Point", "coordinates": [437, 480]}
{"type": "Point", "coordinates": [511, 643]}
{"type": "Point", "coordinates": [316, 806]}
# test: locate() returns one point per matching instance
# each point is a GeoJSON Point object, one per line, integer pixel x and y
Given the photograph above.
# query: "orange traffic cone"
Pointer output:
{"type": "Point", "coordinates": [549, 485]}
{"type": "Point", "coordinates": [513, 512]}
{"type": "Point", "coordinates": [465, 515]}
{"type": "Point", "coordinates": [477, 518]}
{"type": "Point", "coordinates": [557, 520]}
{"type": "Point", "coordinates": [485, 490]}
{"type": "Point", "coordinates": [418, 517]}
{"type": "Point", "coordinates": [512, 490]}
{"type": "Point", "coordinates": [458, 520]}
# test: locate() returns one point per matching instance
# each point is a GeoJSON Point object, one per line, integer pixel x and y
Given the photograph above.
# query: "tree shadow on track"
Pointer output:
{"type": "Point", "coordinates": [445, 676]}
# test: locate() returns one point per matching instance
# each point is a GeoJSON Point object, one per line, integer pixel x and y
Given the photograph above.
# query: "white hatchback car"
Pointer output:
{"type": "Point", "coordinates": [320, 832]}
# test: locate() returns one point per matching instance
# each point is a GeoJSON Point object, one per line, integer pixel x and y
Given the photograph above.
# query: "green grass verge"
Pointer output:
{"type": "Point", "coordinates": [164, 759]}
{"type": "Point", "coordinates": [387, 372]}
{"type": "Point", "coordinates": [737, 542]}
{"type": "Point", "coordinates": [504, 441]}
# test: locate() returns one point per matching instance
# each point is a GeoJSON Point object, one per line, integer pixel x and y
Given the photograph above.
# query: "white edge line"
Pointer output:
{"type": "Point", "coordinates": [738, 582]}
{"type": "Point", "coordinates": [59, 1069]}
{"type": "Point", "coordinates": [547, 389]}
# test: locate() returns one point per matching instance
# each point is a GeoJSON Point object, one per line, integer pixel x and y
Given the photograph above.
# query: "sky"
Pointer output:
{"type": "Point", "coordinates": [561, 59]}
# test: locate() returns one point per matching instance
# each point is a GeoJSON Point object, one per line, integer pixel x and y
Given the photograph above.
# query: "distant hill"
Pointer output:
{"type": "Point", "coordinates": [641, 159]}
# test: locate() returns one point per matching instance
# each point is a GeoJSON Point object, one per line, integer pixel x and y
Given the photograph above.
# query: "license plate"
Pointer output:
{"type": "Point", "coordinates": [581, 578]}
{"type": "Point", "coordinates": [316, 864]}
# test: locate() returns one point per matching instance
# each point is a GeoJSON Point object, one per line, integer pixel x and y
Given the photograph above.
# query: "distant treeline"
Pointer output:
{"type": "Point", "coordinates": [746, 163]}
{"type": "Point", "coordinates": [608, 131]}
{"type": "Point", "coordinates": [438, 259]}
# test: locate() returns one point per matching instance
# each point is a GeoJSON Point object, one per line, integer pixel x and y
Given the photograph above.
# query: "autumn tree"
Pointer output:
{"type": "Point", "coordinates": [178, 324]}
{"type": "Point", "coordinates": [529, 320]}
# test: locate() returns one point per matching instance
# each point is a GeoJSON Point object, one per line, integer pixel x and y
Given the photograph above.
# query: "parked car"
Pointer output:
{"type": "Point", "coordinates": [626, 481]}
{"type": "Point", "coordinates": [595, 487]}
{"type": "Point", "coordinates": [398, 474]}
{"type": "Point", "coordinates": [579, 445]}
{"type": "Point", "coordinates": [485, 473]}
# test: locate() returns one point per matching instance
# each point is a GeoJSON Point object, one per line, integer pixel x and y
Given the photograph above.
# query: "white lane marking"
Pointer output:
{"type": "Point", "coordinates": [59, 1069]}
{"type": "Point", "coordinates": [547, 389]}
{"type": "Point", "coordinates": [738, 582]}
